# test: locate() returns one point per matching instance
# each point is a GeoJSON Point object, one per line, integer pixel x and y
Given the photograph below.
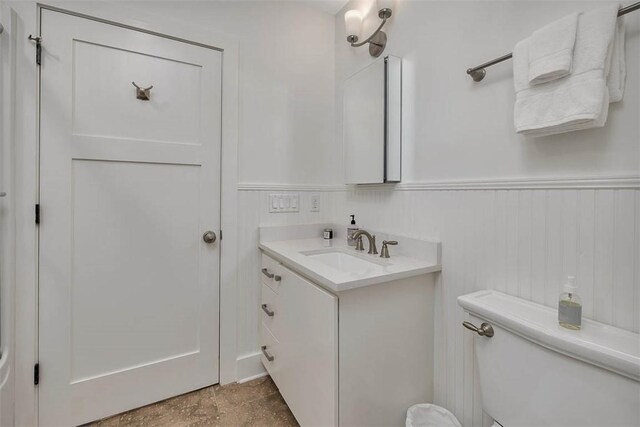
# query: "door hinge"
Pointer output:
{"type": "Point", "coordinates": [220, 234]}
{"type": "Point", "coordinates": [38, 42]}
{"type": "Point", "coordinates": [36, 374]}
{"type": "Point", "coordinates": [37, 213]}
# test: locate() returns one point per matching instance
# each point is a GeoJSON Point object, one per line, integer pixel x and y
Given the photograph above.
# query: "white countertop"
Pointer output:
{"type": "Point", "coordinates": [398, 266]}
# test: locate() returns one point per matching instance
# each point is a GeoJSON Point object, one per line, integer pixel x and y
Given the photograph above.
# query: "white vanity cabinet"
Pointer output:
{"type": "Point", "coordinates": [350, 358]}
{"type": "Point", "coordinates": [300, 336]}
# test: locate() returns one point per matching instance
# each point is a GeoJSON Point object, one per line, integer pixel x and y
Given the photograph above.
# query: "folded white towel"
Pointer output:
{"type": "Point", "coordinates": [581, 99]}
{"type": "Point", "coordinates": [551, 50]}
{"type": "Point", "coordinates": [618, 71]}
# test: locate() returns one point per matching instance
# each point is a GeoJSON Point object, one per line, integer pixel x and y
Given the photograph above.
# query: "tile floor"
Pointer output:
{"type": "Point", "coordinates": [254, 403]}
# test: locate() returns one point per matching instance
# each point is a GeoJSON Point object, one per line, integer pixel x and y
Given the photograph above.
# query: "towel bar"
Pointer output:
{"type": "Point", "coordinates": [478, 72]}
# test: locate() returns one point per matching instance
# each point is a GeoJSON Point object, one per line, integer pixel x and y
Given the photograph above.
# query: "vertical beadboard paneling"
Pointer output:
{"type": "Point", "coordinates": [500, 241]}
{"type": "Point", "coordinates": [623, 258]}
{"type": "Point", "coordinates": [538, 245]}
{"type": "Point", "coordinates": [248, 274]}
{"type": "Point", "coordinates": [636, 277]}
{"type": "Point", "coordinates": [511, 265]}
{"type": "Point", "coordinates": [603, 265]}
{"type": "Point", "coordinates": [523, 242]}
{"type": "Point", "coordinates": [553, 251]}
{"type": "Point", "coordinates": [569, 233]}
{"type": "Point", "coordinates": [586, 247]}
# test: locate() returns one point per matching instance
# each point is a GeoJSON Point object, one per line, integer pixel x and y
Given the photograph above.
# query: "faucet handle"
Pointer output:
{"type": "Point", "coordinates": [384, 252]}
{"type": "Point", "coordinates": [359, 245]}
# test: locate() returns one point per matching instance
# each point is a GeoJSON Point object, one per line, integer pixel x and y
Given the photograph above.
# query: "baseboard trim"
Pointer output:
{"type": "Point", "coordinates": [255, 377]}
{"type": "Point", "coordinates": [250, 367]}
{"type": "Point", "coordinates": [618, 182]}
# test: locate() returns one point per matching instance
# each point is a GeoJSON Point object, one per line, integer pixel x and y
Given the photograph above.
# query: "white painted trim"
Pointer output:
{"type": "Point", "coordinates": [255, 377]}
{"type": "Point", "coordinates": [25, 191]}
{"type": "Point", "coordinates": [258, 186]}
{"type": "Point", "coordinates": [515, 184]}
{"type": "Point", "coordinates": [7, 219]}
{"type": "Point", "coordinates": [250, 367]}
{"type": "Point", "coordinates": [26, 180]}
{"type": "Point", "coordinates": [619, 182]}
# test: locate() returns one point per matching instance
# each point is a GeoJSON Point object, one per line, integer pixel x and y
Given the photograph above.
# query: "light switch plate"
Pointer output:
{"type": "Point", "coordinates": [284, 202]}
{"type": "Point", "coordinates": [315, 202]}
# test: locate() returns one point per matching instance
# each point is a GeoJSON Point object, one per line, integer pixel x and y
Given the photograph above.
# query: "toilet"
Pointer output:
{"type": "Point", "coordinates": [533, 372]}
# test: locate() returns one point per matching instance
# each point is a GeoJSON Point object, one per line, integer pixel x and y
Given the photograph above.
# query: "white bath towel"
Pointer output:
{"type": "Point", "coordinates": [551, 50]}
{"type": "Point", "coordinates": [581, 99]}
{"type": "Point", "coordinates": [618, 72]}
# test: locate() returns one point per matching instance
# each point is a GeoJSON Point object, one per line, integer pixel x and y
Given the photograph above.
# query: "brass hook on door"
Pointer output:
{"type": "Point", "coordinates": [142, 93]}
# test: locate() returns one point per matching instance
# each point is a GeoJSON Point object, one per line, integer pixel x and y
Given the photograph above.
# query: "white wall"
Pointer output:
{"type": "Point", "coordinates": [286, 83]}
{"type": "Point", "coordinates": [456, 129]}
{"type": "Point", "coordinates": [517, 240]}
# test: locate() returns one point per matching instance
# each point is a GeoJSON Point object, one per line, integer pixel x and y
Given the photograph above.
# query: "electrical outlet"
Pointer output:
{"type": "Point", "coordinates": [315, 202]}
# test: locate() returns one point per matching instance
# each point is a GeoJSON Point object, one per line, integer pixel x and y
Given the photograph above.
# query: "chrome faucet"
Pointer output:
{"type": "Point", "coordinates": [357, 235]}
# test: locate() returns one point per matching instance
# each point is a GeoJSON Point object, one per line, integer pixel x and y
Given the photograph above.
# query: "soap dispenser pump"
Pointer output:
{"type": "Point", "coordinates": [352, 228]}
{"type": "Point", "coordinates": [570, 306]}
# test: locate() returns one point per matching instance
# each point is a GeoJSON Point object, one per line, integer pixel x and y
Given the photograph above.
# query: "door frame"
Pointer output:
{"type": "Point", "coordinates": [26, 134]}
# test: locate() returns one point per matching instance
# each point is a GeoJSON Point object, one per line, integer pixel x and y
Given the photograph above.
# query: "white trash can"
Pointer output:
{"type": "Point", "coordinates": [428, 415]}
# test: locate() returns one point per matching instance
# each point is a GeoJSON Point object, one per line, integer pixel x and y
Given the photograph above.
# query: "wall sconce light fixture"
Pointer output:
{"type": "Point", "coordinates": [378, 40]}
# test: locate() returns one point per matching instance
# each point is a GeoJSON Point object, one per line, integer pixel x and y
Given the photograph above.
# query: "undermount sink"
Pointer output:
{"type": "Point", "coordinates": [342, 261]}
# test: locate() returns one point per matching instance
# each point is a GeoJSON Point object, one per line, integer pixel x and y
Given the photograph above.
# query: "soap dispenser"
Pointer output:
{"type": "Point", "coordinates": [352, 228]}
{"type": "Point", "coordinates": [570, 306]}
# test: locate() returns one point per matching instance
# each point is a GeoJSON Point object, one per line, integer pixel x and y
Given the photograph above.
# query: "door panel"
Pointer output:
{"type": "Point", "coordinates": [171, 114]}
{"type": "Point", "coordinates": [128, 290]}
{"type": "Point", "coordinates": [129, 206]}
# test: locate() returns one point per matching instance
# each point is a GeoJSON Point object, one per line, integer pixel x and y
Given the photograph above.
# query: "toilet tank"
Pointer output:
{"type": "Point", "coordinates": [533, 372]}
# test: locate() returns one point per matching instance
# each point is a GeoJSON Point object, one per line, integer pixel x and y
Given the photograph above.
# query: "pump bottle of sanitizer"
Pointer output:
{"type": "Point", "coordinates": [570, 306]}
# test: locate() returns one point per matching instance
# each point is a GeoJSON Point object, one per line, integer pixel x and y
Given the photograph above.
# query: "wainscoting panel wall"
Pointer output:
{"type": "Point", "coordinates": [520, 241]}
{"type": "Point", "coordinates": [253, 212]}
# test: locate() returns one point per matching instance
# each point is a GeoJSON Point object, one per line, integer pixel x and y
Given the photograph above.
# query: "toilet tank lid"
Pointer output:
{"type": "Point", "coordinates": [603, 345]}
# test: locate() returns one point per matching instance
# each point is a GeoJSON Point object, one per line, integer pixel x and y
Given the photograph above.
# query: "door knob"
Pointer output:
{"type": "Point", "coordinates": [209, 237]}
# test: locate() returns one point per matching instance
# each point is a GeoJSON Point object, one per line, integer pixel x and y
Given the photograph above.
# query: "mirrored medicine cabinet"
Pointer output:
{"type": "Point", "coordinates": [372, 123]}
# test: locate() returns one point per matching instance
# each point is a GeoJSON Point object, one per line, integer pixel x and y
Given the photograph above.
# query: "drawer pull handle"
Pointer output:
{"type": "Point", "coordinates": [277, 278]}
{"type": "Point", "coordinates": [266, 310]}
{"type": "Point", "coordinates": [266, 273]}
{"type": "Point", "coordinates": [266, 353]}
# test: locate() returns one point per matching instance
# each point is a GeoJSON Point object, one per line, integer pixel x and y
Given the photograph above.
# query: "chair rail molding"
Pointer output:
{"type": "Point", "coordinates": [540, 183]}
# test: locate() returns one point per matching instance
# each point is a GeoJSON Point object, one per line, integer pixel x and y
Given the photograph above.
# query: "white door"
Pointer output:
{"type": "Point", "coordinates": [128, 296]}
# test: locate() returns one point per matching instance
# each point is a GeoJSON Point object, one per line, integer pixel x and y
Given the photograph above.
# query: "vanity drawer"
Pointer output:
{"type": "Point", "coordinates": [270, 304]}
{"type": "Point", "coordinates": [270, 273]}
{"type": "Point", "coordinates": [270, 353]}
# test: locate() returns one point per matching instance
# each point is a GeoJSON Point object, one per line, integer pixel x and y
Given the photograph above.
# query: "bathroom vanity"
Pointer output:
{"type": "Point", "coordinates": [346, 336]}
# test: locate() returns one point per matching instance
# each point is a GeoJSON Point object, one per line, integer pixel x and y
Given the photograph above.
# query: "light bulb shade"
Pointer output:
{"type": "Point", "coordinates": [353, 23]}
